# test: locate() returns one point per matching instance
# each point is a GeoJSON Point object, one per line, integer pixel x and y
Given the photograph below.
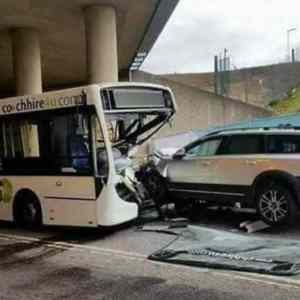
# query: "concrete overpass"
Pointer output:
{"type": "Point", "coordinates": [52, 43]}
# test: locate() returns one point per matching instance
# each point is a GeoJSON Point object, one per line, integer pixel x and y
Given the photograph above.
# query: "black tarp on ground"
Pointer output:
{"type": "Point", "coordinates": [203, 247]}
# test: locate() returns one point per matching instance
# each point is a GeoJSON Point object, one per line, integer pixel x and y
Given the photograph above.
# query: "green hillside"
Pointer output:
{"type": "Point", "coordinates": [289, 105]}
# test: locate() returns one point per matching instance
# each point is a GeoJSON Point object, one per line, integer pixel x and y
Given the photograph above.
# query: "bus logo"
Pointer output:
{"type": "Point", "coordinates": [6, 190]}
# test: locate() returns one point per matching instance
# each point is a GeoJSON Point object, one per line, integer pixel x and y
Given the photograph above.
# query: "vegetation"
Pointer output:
{"type": "Point", "coordinates": [291, 104]}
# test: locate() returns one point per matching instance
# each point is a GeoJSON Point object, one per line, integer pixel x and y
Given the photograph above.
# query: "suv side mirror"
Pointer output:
{"type": "Point", "coordinates": [179, 154]}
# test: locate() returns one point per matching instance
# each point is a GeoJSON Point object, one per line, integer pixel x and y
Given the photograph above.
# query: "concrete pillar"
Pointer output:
{"type": "Point", "coordinates": [101, 39]}
{"type": "Point", "coordinates": [28, 79]}
{"type": "Point", "coordinates": [27, 61]}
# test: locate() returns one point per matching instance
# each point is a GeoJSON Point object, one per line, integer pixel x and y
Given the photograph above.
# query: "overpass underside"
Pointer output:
{"type": "Point", "coordinates": [52, 43]}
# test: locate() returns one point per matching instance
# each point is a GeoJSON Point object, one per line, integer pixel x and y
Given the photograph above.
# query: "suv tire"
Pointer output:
{"type": "Point", "coordinates": [276, 205]}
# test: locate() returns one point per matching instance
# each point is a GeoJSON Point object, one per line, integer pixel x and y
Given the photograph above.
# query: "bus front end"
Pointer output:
{"type": "Point", "coordinates": [128, 115]}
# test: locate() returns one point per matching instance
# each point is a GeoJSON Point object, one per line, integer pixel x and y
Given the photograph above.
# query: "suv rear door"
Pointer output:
{"type": "Point", "coordinates": [283, 150]}
{"type": "Point", "coordinates": [240, 160]}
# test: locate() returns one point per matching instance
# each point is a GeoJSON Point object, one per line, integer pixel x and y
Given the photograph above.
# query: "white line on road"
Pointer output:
{"type": "Point", "coordinates": [70, 246]}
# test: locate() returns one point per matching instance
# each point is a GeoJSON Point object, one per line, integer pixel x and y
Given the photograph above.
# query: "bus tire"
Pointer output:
{"type": "Point", "coordinates": [27, 210]}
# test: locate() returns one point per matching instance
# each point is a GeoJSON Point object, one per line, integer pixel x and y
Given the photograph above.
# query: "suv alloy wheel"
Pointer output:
{"type": "Point", "coordinates": [276, 205]}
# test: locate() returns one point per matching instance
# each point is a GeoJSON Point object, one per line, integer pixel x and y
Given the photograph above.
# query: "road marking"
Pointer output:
{"type": "Point", "coordinates": [259, 278]}
{"type": "Point", "coordinates": [71, 246]}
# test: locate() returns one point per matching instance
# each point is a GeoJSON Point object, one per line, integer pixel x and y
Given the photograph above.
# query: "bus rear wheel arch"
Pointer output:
{"type": "Point", "coordinates": [27, 209]}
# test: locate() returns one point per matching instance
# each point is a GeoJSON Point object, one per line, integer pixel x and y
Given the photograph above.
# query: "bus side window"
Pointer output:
{"type": "Point", "coordinates": [69, 135]}
{"type": "Point", "coordinates": [11, 140]}
{"type": "Point", "coordinates": [2, 144]}
{"type": "Point", "coordinates": [49, 144]}
{"type": "Point", "coordinates": [28, 131]}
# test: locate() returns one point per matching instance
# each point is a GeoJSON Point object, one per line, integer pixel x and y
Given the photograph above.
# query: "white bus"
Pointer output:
{"type": "Point", "coordinates": [63, 153]}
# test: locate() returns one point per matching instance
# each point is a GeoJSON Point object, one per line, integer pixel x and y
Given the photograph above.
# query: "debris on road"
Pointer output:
{"type": "Point", "coordinates": [178, 222]}
{"type": "Point", "coordinates": [210, 248]}
{"type": "Point", "coordinates": [158, 229]}
{"type": "Point", "coordinates": [255, 226]}
{"type": "Point", "coordinates": [170, 228]}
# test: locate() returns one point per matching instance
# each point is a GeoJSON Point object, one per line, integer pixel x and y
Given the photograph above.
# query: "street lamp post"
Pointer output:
{"type": "Point", "coordinates": [288, 32]}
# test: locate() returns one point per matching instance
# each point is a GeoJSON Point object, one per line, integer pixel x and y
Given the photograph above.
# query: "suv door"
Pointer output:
{"type": "Point", "coordinates": [240, 160]}
{"type": "Point", "coordinates": [196, 169]}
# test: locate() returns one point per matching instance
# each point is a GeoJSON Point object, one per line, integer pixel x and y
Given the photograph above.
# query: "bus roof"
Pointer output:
{"type": "Point", "coordinates": [62, 98]}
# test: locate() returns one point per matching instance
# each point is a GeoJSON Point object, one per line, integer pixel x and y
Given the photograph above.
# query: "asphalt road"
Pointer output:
{"type": "Point", "coordinates": [59, 263]}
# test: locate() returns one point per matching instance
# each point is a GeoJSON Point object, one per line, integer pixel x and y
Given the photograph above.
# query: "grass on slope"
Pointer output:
{"type": "Point", "coordinates": [289, 105]}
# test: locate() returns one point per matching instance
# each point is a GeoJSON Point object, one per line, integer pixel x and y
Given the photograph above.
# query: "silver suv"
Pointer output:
{"type": "Point", "coordinates": [257, 168]}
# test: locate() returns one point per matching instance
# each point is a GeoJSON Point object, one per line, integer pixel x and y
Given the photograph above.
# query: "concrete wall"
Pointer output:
{"type": "Point", "coordinates": [257, 85]}
{"type": "Point", "coordinates": [198, 109]}
{"type": "Point", "coordinates": [261, 85]}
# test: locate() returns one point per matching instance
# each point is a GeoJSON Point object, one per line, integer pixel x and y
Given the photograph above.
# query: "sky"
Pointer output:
{"type": "Point", "coordinates": [254, 32]}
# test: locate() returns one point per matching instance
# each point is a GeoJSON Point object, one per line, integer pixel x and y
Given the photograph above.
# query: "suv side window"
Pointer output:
{"type": "Point", "coordinates": [283, 144]}
{"type": "Point", "coordinates": [204, 148]}
{"type": "Point", "coordinates": [243, 144]}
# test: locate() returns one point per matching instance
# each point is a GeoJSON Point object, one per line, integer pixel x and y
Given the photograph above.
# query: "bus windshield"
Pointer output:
{"type": "Point", "coordinates": [134, 114]}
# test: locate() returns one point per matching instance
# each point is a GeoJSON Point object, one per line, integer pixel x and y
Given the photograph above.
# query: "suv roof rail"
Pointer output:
{"type": "Point", "coordinates": [280, 126]}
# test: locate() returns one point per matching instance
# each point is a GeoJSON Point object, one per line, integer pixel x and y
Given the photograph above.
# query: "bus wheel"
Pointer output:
{"type": "Point", "coordinates": [28, 211]}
